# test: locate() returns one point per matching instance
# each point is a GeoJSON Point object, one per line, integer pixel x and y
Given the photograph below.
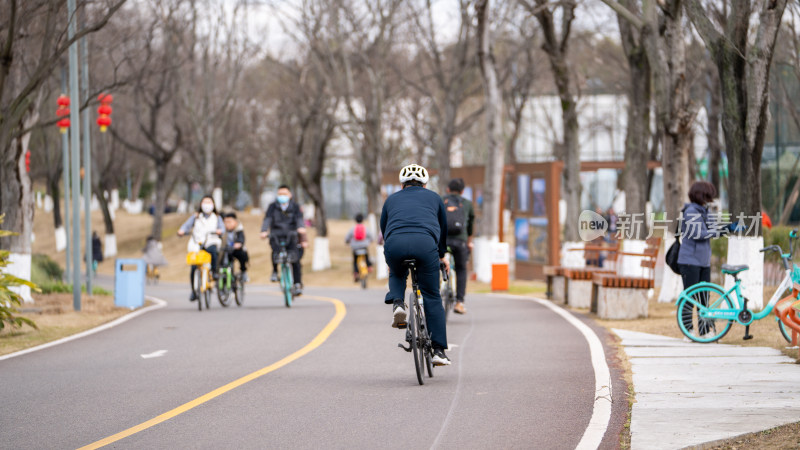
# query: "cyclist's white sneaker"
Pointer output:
{"type": "Point", "coordinates": [399, 315]}
{"type": "Point", "coordinates": [439, 358]}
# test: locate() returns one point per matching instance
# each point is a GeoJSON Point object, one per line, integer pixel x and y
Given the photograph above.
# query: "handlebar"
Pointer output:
{"type": "Point", "coordinates": [445, 275]}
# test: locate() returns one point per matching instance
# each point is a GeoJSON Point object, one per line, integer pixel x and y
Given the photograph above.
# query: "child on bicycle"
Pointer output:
{"type": "Point", "coordinates": [414, 225]}
{"type": "Point", "coordinates": [206, 228]}
{"type": "Point", "coordinates": [359, 239]}
{"type": "Point", "coordinates": [234, 242]}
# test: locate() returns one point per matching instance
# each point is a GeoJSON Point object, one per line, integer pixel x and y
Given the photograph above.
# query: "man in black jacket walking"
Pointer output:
{"type": "Point", "coordinates": [284, 222]}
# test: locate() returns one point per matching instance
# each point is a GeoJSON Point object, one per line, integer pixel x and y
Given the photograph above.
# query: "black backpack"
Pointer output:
{"type": "Point", "coordinates": [456, 215]}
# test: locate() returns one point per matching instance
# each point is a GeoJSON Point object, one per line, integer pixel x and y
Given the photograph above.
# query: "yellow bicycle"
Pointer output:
{"type": "Point", "coordinates": [363, 269]}
{"type": "Point", "coordinates": [152, 274]}
{"type": "Point", "coordinates": [202, 282]}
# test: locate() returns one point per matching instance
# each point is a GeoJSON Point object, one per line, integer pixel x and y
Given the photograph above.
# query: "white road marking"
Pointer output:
{"type": "Point", "coordinates": [158, 304]}
{"type": "Point", "coordinates": [155, 354]}
{"type": "Point", "coordinates": [601, 412]}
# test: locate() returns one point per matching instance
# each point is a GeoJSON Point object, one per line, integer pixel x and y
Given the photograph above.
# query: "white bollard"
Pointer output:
{"type": "Point", "coordinates": [481, 259]}
{"type": "Point", "coordinates": [182, 207]}
{"type": "Point", "coordinates": [48, 204]}
{"type": "Point", "coordinates": [20, 266]}
{"type": "Point", "coordinates": [745, 250]}
{"type": "Point", "coordinates": [321, 255]}
{"type": "Point", "coordinates": [39, 200]}
{"type": "Point", "coordinates": [381, 268]}
{"type": "Point", "coordinates": [61, 238]}
{"type": "Point", "coordinates": [110, 246]}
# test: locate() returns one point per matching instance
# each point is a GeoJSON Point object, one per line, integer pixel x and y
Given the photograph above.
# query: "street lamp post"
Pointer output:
{"type": "Point", "coordinates": [75, 147]}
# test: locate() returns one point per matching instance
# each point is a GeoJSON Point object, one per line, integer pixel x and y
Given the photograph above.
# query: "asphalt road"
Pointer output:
{"type": "Point", "coordinates": [521, 378]}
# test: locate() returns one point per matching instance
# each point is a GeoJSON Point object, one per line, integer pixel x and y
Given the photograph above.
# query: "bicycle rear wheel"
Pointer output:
{"type": "Point", "coordinates": [416, 341]}
{"type": "Point", "coordinates": [207, 296]}
{"type": "Point", "coordinates": [425, 337]}
{"type": "Point", "coordinates": [286, 284]}
{"type": "Point", "coordinates": [786, 333]}
{"type": "Point", "coordinates": [694, 303]}
{"type": "Point", "coordinates": [238, 291]}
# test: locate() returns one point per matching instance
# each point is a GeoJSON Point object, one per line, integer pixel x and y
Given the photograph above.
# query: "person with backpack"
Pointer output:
{"type": "Point", "coordinates": [460, 220]}
{"type": "Point", "coordinates": [359, 239]}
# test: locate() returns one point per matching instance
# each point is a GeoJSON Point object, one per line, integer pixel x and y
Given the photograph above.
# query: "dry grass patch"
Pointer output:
{"type": "Point", "coordinates": [778, 438]}
{"type": "Point", "coordinates": [55, 317]}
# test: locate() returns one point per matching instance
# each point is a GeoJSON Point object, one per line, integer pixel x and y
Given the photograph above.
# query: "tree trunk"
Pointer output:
{"type": "Point", "coordinates": [714, 144]}
{"type": "Point", "coordinates": [54, 191]}
{"type": "Point", "coordinates": [445, 142]}
{"type": "Point", "coordinates": [572, 167]}
{"type": "Point", "coordinates": [107, 221]}
{"type": "Point", "coordinates": [208, 161]}
{"type": "Point", "coordinates": [314, 190]}
{"type": "Point", "coordinates": [493, 185]}
{"type": "Point", "coordinates": [635, 175]}
{"type": "Point", "coordinates": [16, 197]}
{"type": "Point", "coordinates": [161, 199]}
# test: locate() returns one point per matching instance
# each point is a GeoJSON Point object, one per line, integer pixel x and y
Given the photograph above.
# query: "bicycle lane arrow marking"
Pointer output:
{"type": "Point", "coordinates": [155, 354]}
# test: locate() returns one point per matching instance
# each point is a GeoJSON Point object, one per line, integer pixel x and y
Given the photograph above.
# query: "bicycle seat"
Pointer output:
{"type": "Point", "coordinates": [410, 263]}
{"type": "Point", "coordinates": [733, 270]}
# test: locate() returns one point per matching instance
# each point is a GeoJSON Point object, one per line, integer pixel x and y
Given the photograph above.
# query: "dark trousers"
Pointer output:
{"type": "Point", "coordinates": [241, 256]}
{"type": "Point", "coordinates": [460, 251]}
{"type": "Point", "coordinates": [692, 275]}
{"type": "Point", "coordinates": [422, 247]}
{"type": "Point", "coordinates": [295, 253]}
{"type": "Point", "coordinates": [214, 257]}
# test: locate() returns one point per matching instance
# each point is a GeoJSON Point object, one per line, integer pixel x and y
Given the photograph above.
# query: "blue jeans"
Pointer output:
{"type": "Point", "coordinates": [422, 247]}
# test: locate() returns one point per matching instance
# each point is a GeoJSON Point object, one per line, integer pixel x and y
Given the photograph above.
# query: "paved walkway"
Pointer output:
{"type": "Point", "coordinates": [689, 394]}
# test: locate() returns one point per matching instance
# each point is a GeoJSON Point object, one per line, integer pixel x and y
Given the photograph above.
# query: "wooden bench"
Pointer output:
{"type": "Point", "coordinates": [618, 296]}
{"type": "Point", "coordinates": [572, 285]}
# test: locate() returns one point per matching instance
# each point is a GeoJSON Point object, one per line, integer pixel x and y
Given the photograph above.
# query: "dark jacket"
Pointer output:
{"type": "Point", "coordinates": [697, 230]}
{"type": "Point", "coordinates": [235, 236]}
{"type": "Point", "coordinates": [415, 210]}
{"type": "Point", "coordinates": [469, 212]}
{"type": "Point", "coordinates": [282, 223]}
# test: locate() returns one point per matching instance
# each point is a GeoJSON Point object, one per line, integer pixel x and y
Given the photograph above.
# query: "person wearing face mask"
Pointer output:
{"type": "Point", "coordinates": [284, 221]}
{"type": "Point", "coordinates": [205, 228]}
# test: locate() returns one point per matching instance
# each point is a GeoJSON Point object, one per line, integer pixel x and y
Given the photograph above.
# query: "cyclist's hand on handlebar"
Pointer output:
{"type": "Point", "coordinates": [446, 263]}
{"type": "Point", "coordinates": [264, 235]}
{"type": "Point", "coordinates": [181, 233]}
{"type": "Point", "coordinates": [237, 245]}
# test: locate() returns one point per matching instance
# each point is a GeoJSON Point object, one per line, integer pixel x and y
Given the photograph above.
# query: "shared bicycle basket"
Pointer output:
{"type": "Point", "coordinates": [198, 258]}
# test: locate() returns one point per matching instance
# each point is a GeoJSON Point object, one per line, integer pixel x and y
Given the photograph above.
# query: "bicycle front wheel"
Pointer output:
{"type": "Point", "coordinates": [692, 308]}
{"type": "Point", "coordinates": [416, 342]}
{"type": "Point", "coordinates": [197, 286]}
{"type": "Point", "coordinates": [286, 284]}
{"type": "Point", "coordinates": [224, 287]}
{"type": "Point", "coordinates": [786, 333]}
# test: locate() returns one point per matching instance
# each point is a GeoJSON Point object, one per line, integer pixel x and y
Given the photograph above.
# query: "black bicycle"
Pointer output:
{"type": "Point", "coordinates": [229, 282]}
{"type": "Point", "coordinates": [417, 335]}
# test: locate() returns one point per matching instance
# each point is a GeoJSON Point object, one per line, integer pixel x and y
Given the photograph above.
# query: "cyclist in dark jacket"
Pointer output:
{"type": "Point", "coordinates": [283, 221]}
{"type": "Point", "coordinates": [414, 226]}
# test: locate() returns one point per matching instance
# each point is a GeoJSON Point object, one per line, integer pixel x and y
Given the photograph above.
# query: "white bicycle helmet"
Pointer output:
{"type": "Point", "coordinates": [414, 172]}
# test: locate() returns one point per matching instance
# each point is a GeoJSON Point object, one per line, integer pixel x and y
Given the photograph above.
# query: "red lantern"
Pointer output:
{"type": "Point", "coordinates": [28, 161]}
{"type": "Point", "coordinates": [104, 111]}
{"type": "Point", "coordinates": [63, 113]}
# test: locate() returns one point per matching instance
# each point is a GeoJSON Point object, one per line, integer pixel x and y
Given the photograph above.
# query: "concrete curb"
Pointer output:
{"type": "Point", "coordinates": [158, 305]}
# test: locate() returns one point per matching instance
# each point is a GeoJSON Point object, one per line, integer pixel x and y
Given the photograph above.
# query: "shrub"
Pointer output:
{"type": "Point", "coordinates": [10, 300]}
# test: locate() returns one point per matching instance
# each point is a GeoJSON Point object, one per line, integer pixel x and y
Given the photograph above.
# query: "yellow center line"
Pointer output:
{"type": "Point", "coordinates": [316, 342]}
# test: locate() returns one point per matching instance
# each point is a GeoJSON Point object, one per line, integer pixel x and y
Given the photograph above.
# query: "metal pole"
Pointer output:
{"type": "Point", "coordinates": [75, 141]}
{"type": "Point", "coordinates": [65, 177]}
{"type": "Point", "coordinates": [87, 162]}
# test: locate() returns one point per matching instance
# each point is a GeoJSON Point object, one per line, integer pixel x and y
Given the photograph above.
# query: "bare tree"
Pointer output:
{"type": "Point", "coordinates": [33, 41]}
{"type": "Point", "coordinates": [216, 51]}
{"type": "Point", "coordinates": [556, 45]}
{"type": "Point", "coordinates": [156, 132]}
{"type": "Point", "coordinates": [663, 36]}
{"type": "Point", "coordinates": [445, 78]}
{"type": "Point", "coordinates": [743, 57]}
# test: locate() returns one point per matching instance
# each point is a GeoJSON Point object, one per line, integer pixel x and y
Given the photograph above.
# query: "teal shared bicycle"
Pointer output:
{"type": "Point", "coordinates": [706, 311]}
